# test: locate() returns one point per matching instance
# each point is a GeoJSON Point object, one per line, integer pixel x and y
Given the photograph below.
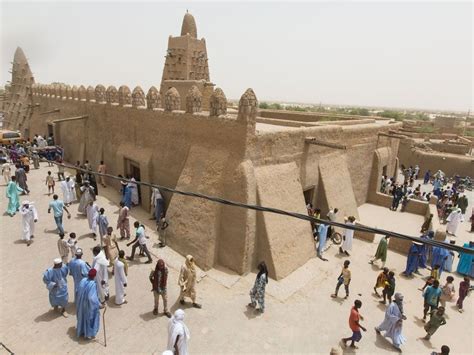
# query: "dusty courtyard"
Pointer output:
{"type": "Point", "coordinates": [300, 316]}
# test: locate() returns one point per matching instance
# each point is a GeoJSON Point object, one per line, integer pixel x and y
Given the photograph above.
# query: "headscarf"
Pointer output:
{"type": "Point", "coordinates": [163, 270]}
{"type": "Point", "coordinates": [399, 301]}
{"type": "Point", "coordinates": [92, 273]}
{"type": "Point", "coordinates": [262, 270]}
{"type": "Point", "coordinates": [190, 264]}
{"type": "Point", "coordinates": [175, 327]}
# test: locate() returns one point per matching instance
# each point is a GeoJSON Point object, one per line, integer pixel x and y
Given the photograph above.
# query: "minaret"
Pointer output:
{"type": "Point", "coordinates": [189, 25]}
{"type": "Point", "coordinates": [186, 63]}
{"type": "Point", "coordinates": [18, 104]}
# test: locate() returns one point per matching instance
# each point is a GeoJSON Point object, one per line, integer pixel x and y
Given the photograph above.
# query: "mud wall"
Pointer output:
{"type": "Point", "coordinates": [219, 156]}
{"type": "Point", "coordinates": [453, 148]}
{"type": "Point", "coordinates": [360, 141]}
{"type": "Point", "coordinates": [189, 151]}
{"type": "Point", "coordinates": [451, 164]}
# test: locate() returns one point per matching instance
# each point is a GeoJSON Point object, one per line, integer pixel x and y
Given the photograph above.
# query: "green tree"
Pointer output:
{"type": "Point", "coordinates": [296, 108]}
{"type": "Point", "coordinates": [275, 106]}
{"type": "Point", "coordinates": [398, 116]}
{"type": "Point", "coordinates": [358, 111]}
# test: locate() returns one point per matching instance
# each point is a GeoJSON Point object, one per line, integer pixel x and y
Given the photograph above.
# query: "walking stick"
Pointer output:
{"type": "Point", "coordinates": [103, 321]}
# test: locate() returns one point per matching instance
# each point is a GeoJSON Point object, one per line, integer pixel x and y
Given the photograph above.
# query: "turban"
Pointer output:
{"type": "Point", "coordinates": [92, 273]}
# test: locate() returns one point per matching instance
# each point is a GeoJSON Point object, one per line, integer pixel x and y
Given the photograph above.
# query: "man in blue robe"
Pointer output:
{"type": "Point", "coordinates": [413, 259]}
{"type": "Point", "coordinates": [465, 265]}
{"type": "Point", "coordinates": [423, 257]}
{"type": "Point", "coordinates": [448, 265]}
{"type": "Point", "coordinates": [78, 269]}
{"type": "Point", "coordinates": [56, 283]}
{"type": "Point", "coordinates": [440, 255]}
{"type": "Point", "coordinates": [87, 304]}
{"type": "Point", "coordinates": [127, 196]}
{"type": "Point", "coordinates": [13, 195]}
{"type": "Point", "coordinates": [323, 232]}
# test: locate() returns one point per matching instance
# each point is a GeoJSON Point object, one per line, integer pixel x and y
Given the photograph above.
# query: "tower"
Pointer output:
{"type": "Point", "coordinates": [18, 99]}
{"type": "Point", "coordinates": [186, 63]}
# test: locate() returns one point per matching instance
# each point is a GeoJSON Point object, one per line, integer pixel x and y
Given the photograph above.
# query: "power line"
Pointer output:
{"type": "Point", "coordinates": [361, 228]}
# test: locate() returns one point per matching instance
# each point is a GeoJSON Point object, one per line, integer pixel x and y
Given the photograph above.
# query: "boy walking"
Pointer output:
{"type": "Point", "coordinates": [464, 287]}
{"type": "Point", "coordinates": [389, 288]}
{"type": "Point", "coordinates": [381, 279]}
{"type": "Point", "coordinates": [50, 183]}
{"type": "Point", "coordinates": [431, 296]}
{"type": "Point", "coordinates": [354, 324]}
{"type": "Point", "coordinates": [344, 278]}
{"type": "Point", "coordinates": [436, 320]}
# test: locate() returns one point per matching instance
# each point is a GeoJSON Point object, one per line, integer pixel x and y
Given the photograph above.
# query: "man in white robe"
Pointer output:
{"type": "Point", "coordinates": [454, 219]}
{"type": "Point", "coordinates": [134, 187]}
{"type": "Point", "coordinates": [72, 186]}
{"type": "Point", "coordinates": [41, 142]}
{"type": "Point", "coordinates": [120, 279]}
{"type": "Point", "coordinates": [88, 195]}
{"type": "Point", "coordinates": [393, 322]}
{"type": "Point", "coordinates": [100, 263]}
{"type": "Point", "coordinates": [29, 216]}
{"type": "Point", "coordinates": [6, 172]}
{"type": "Point", "coordinates": [348, 236]}
{"type": "Point", "coordinates": [68, 191]}
{"type": "Point", "coordinates": [92, 212]}
{"type": "Point", "coordinates": [178, 334]}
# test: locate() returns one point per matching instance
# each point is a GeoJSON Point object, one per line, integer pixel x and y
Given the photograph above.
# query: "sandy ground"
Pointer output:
{"type": "Point", "coordinates": [300, 316]}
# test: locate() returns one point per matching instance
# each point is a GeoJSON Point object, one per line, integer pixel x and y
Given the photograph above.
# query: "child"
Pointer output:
{"type": "Point", "coordinates": [435, 272]}
{"type": "Point", "coordinates": [344, 278]}
{"type": "Point", "coordinates": [437, 319]}
{"type": "Point", "coordinates": [464, 287]}
{"type": "Point", "coordinates": [434, 276]}
{"type": "Point", "coordinates": [72, 243]}
{"type": "Point", "coordinates": [381, 279]}
{"type": "Point", "coordinates": [60, 170]}
{"type": "Point", "coordinates": [389, 288]}
{"type": "Point", "coordinates": [63, 248]}
{"type": "Point", "coordinates": [354, 323]}
{"type": "Point", "coordinates": [50, 183]}
{"type": "Point", "coordinates": [447, 291]}
{"type": "Point", "coordinates": [162, 225]}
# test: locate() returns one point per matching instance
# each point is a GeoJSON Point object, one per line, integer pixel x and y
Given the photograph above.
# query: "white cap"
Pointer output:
{"type": "Point", "coordinates": [58, 261]}
{"type": "Point", "coordinates": [167, 352]}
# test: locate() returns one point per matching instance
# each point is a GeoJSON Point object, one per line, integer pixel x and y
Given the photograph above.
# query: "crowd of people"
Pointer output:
{"type": "Point", "coordinates": [91, 280]}
{"type": "Point", "coordinates": [452, 204]}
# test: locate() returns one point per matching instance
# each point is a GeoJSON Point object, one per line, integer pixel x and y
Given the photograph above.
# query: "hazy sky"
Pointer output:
{"type": "Point", "coordinates": [398, 54]}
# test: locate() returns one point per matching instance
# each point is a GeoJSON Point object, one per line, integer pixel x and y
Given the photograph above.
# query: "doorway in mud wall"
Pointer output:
{"type": "Point", "coordinates": [132, 168]}
{"type": "Point", "coordinates": [50, 129]}
{"type": "Point", "coordinates": [308, 195]}
{"type": "Point", "coordinates": [51, 133]}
